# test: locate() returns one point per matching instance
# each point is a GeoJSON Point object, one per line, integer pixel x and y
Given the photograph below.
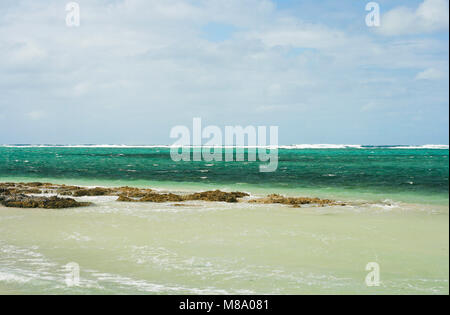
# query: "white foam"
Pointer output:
{"type": "Point", "coordinates": [289, 147]}
{"type": "Point", "coordinates": [82, 146]}
{"type": "Point", "coordinates": [10, 277]}
{"type": "Point", "coordinates": [426, 146]}
{"type": "Point", "coordinates": [321, 146]}
{"type": "Point", "coordinates": [146, 286]}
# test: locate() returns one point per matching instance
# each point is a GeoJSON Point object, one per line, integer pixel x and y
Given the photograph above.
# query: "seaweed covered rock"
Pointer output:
{"type": "Point", "coordinates": [21, 195]}
{"type": "Point", "coordinates": [7, 185]}
{"type": "Point", "coordinates": [154, 197]}
{"type": "Point", "coordinates": [217, 195]}
{"type": "Point", "coordinates": [102, 191]}
{"type": "Point", "coordinates": [133, 192]}
{"type": "Point", "coordinates": [97, 191]}
{"type": "Point", "coordinates": [4, 191]}
{"type": "Point", "coordinates": [34, 184]}
{"type": "Point", "coordinates": [64, 190]}
{"type": "Point", "coordinates": [123, 198]}
{"type": "Point", "coordinates": [23, 201]}
{"type": "Point", "coordinates": [28, 191]}
{"type": "Point", "coordinates": [293, 201]}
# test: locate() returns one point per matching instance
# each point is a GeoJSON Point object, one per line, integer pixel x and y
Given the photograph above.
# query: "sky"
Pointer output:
{"type": "Point", "coordinates": [134, 69]}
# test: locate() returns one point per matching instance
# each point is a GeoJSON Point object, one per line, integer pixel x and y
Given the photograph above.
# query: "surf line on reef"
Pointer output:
{"type": "Point", "coordinates": [235, 147]}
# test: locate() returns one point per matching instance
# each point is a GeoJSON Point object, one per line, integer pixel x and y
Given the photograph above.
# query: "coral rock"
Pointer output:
{"type": "Point", "coordinates": [217, 195]}
{"type": "Point", "coordinates": [294, 201]}
{"type": "Point", "coordinates": [22, 201]}
{"type": "Point", "coordinates": [92, 192]}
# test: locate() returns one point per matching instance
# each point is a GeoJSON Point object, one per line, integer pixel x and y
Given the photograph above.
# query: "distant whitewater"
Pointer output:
{"type": "Point", "coordinates": [287, 147]}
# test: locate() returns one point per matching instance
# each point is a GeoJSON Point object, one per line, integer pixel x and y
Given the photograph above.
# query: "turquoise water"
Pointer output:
{"type": "Point", "coordinates": [406, 174]}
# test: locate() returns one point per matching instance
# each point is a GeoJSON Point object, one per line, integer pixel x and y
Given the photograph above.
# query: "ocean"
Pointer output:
{"type": "Point", "coordinates": [396, 217]}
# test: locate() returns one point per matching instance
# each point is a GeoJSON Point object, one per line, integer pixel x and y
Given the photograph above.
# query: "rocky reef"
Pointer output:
{"type": "Point", "coordinates": [153, 197]}
{"type": "Point", "coordinates": [26, 195]}
{"type": "Point", "coordinates": [54, 202]}
{"type": "Point", "coordinates": [215, 195]}
{"type": "Point", "coordinates": [294, 201]}
{"type": "Point", "coordinates": [4, 191]}
{"type": "Point", "coordinates": [21, 195]}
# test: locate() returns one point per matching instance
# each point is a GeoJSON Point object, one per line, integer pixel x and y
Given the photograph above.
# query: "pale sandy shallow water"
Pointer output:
{"type": "Point", "coordinates": [218, 248]}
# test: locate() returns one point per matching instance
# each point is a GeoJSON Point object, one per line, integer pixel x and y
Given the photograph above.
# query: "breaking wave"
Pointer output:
{"type": "Point", "coordinates": [288, 147]}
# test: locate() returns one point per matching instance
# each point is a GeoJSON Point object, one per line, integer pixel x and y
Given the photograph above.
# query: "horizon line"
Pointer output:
{"type": "Point", "coordinates": [280, 146]}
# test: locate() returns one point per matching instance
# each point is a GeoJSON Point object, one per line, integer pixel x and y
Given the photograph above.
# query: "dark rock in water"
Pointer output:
{"type": "Point", "coordinates": [92, 192]}
{"type": "Point", "coordinates": [18, 195]}
{"type": "Point", "coordinates": [217, 195]}
{"type": "Point", "coordinates": [23, 201]}
{"type": "Point", "coordinates": [123, 198]}
{"type": "Point", "coordinates": [6, 185]}
{"type": "Point", "coordinates": [75, 191]}
{"type": "Point", "coordinates": [64, 190]}
{"type": "Point", "coordinates": [293, 201]}
{"type": "Point", "coordinates": [154, 197]}
{"type": "Point", "coordinates": [35, 184]}
{"type": "Point", "coordinates": [29, 191]}
{"type": "Point", "coordinates": [205, 196]}
{"type": "Point", "coordinates": [4, 191]}
{"type": "Point", "coordinates": [132, 192]}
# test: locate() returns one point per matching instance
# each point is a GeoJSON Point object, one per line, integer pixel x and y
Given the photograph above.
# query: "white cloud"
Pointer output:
{"type": "Point", "coordinates": [430, 16]}
{"type": "Point", "coordinates": [430, 74]}
{"type": "Point", "coordinates": [146, 60]}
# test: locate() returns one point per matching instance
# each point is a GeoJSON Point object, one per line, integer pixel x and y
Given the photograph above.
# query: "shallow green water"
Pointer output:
{"type": "Point", "coordinates": [400, 222]}
{"type": "Point", "coordinates": [222, 248]}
